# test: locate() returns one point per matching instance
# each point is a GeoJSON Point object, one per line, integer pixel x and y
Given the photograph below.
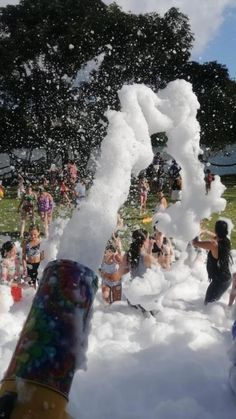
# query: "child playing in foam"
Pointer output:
{"type": "Point", "coordinates": [11, 269]}
{"type": "Point", "coordinates": [111, 279]}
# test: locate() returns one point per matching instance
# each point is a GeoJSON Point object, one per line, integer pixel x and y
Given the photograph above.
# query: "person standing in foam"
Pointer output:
{"type": "Point", "coordinates": [218, 261]}
{"type": "Point", "coordinates": [111, 280]}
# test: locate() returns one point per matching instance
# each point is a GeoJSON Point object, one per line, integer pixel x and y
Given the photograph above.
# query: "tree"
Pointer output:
{"type": "Point", "coordinates": [217, 97]}
{"type": "Point", "coordinates": [43, 45]}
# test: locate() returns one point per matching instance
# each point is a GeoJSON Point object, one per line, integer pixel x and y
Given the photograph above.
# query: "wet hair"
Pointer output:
{"type": "Point", "coordinates": [34, 227]}
{"type": "Point", "coordinates": [221, 229]}
{"type": "Point", "coordinates": [138, 238]}
{"type": "Point", "coordinates": [6, 247]}
{"type": "Point", "coordinates": [224, 244]}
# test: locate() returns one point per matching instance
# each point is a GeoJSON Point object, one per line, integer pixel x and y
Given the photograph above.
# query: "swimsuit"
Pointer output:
{"type": "Point", "coordinates": [44, 203]}
{"type": "Point", "coordinates": [114, 286]}
{"type": "Point", "coordinates": [32, 268]}
{"type": "Point", "coordinates": [28, 203]}
{"type": "Point", "coordinates": [109, 268]}
{"type": "Point", "coordinates": [32, 251]}
{"type": "Point", "coordinates": [220, 278]}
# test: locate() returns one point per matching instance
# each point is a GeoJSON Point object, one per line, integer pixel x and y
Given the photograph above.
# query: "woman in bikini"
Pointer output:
{"type": "Point", "coordinates": [32, 254]}
{"type": "Point", "coordinates": [111, 278]}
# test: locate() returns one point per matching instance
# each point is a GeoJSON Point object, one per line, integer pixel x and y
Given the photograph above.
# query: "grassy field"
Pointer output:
{"type": "Point", "coordinates": [9, 218]}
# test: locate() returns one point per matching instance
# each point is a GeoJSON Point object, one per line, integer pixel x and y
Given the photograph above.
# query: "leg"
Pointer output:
{"type": "Point", "coordinates": [32, 216]}
{"type": "Point", "coordinates": [32, 270]}
{"type": "Point", "coordinates": [116, 292]}
{"type": "Point", "coordinates": [22, 226]}
{"type": "Point", "coordinates": [46, 224]}
{"type": "Point", "coordinates": [144, 204]}
{"type": "Point", "coordinates": [106, 293]}
{"type": "Point", "coordinates": [141, 204]}
{"type": "Point", "coordinates": [43, 216]}
{"type": "Point", "coordinates": [215, 290]}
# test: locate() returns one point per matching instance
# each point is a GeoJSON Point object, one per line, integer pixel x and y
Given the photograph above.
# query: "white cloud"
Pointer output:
{"type": "Point", "coordinates": [206, 16]}
{"type": "Point", "coordinates": [4, 3]}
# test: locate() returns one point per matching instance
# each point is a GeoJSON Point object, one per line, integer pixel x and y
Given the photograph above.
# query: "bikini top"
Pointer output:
{"type": "Point", "coordinates": [109, 268]}
{"type": "Point", "coordinates": [29, 198]}
{"type": "Point", "coordinates": [32, 251]}
{"type": "Point", "coordinates": [28, 201]}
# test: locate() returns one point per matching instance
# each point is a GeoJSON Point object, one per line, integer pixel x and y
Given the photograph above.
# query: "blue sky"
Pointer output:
{"type": "Point", "coordinates": [213, 23]}
{"type": "Point", "coordinates": [223, 47]}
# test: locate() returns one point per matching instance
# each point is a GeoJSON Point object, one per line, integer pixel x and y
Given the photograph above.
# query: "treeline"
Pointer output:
{"type": "Point", "coordinates": [44, 44]}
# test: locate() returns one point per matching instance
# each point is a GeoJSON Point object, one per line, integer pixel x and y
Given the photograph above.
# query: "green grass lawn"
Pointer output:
{"type": "Point", "coordinates": [9, 218]}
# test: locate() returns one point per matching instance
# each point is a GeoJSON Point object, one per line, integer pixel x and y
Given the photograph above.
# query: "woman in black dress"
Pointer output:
{"type": "Point", "coordinates": [218, 260]}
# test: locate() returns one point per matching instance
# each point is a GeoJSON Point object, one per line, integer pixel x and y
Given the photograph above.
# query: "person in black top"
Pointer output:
{"type": "Point", "coordinates": [218, 260]}
{"type": "Point", "coordinates": [174, 171]}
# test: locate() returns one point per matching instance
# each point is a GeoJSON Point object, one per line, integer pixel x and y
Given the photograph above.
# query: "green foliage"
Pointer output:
{"type": "Point", "coordinates": [217, 97]}
{"type": "Point", "coordinates": [43, 45]}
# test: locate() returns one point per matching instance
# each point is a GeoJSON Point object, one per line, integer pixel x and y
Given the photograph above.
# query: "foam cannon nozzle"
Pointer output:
{"type": "Point", "coordinates": [37, 382]}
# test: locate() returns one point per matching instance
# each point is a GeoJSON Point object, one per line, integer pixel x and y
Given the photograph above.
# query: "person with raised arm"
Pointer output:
{"type": "Point", "coordinates": [139, 254]}
{"type": "Point", "coordinates": [218, 260]}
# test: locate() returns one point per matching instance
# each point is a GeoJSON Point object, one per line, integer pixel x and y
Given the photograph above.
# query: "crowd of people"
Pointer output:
{"type": "Point", "coordinates": [36, 205]}
{"type": "Point", "coordinates": [146, 249]}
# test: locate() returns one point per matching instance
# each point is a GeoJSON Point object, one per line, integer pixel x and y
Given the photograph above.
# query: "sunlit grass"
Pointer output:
{"type": "Point", "coordinates": [9, 218]}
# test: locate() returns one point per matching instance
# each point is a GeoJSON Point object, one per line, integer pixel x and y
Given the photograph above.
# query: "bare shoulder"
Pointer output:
{"type": "Point", "coordinates": [149, 261]}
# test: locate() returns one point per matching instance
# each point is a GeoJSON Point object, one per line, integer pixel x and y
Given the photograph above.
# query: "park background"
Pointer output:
{"type": "Point", "coordinates": [176, 365]}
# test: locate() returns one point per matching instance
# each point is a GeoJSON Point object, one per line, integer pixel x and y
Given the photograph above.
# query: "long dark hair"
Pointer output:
{"type": "Point", "coordinates": [224, 244]}
{"type": "Point", "coordinates": [138, 238]}
{"type": "Point", "coordinates": [6, 247]}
